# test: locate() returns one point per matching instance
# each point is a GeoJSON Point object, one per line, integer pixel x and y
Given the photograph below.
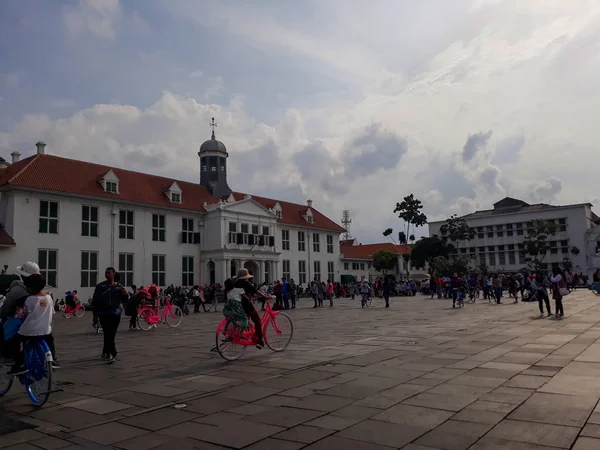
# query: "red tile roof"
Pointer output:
{"type": "Point", "coordinates": [366, 251]}
{"type": "Point", "coordinates": [6, 239]}
{"type": "Point", "coordinates": [292, 213]}
{"type": "Point", "coordinates": [58, 174]}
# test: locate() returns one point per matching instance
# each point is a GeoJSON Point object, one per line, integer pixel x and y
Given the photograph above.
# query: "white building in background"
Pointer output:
{"type": "Point", "coordinates": [357, 261]}
{"type": "Point", "coordinates": [499, 234]}
{"type": "Point", "coordinates": [76, 218]}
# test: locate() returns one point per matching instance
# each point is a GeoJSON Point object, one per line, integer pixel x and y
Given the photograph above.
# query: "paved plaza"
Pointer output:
{"type": "Point", "coordinates": [417, 376]}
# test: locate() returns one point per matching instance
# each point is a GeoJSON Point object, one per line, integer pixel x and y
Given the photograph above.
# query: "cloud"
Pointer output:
{"type": "Point", "coordinates": [95, 17]}
{"type": "Point", "coordinates": [374, 149]}
{"type": "Point", "coordinates": [545, 191]}
{"type": "Point", "coordinates": [12, 79]}
{"type": "Point", "coordinates": [475, 142]}
{"type": "Point", "coordinates": [489, 177]}
{"type": "Point", "coordinates": [509, 149]}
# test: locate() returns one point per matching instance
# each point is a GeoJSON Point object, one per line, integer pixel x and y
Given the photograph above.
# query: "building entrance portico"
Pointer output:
{"type": "Point", "coordinates": [253, 270]}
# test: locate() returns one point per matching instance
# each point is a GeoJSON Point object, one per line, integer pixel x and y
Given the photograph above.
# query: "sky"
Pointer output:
{"type": "Point", "coordinates": [351, 104]}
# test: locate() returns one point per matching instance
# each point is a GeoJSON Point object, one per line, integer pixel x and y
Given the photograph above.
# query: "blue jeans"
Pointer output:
{"type": "Point", "coordinates": [286, 301]}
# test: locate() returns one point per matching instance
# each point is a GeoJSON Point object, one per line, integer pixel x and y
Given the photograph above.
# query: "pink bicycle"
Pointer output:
{"type": "Point", "coordinates": [78, 311]}
{"type": "Point", "coordinates": [232, 341]}
{"type": "Point", "coordinates": [149, 316]}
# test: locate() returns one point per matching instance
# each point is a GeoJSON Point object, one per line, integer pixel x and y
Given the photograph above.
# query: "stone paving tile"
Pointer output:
{"type": "Point", "coordinates": [591, 430]}
{"type": "Point", "coordinates": [491, 443]}
{"type": "Point", "coordinates": [445, 402]}
{"type": "Point", "coordinates": [143, 442]}
{"type": "Point", "coordinates": [19, 437]}
{"type": "Point", "coordinates": [325, 403]}
{"type": "Point", "coordinates": [286, 417]}
{"type": "Point", "coordinates": [276, 444]}
{"type": "Point", "coordinates": [585, 443]}
{"type": "Point", "coordinates": [213, 404]}
{"type": "Point", "coordinates": [50, 443]}
{"type": "Point", "coordinates": [535, 433]}
{"type": "Point", "coordinates": [159, 419]}
{"type": "Point", "coordinates": [555, 409]}
{"type": "Point", "coordinates": [382, 433]}
{"type": "Point", "coordinates": [109, 433]}
{"type": "Point", "coordinates": [98, 405]}
{"type": "Point", "coordinates": [470, 414]}
{"type": "Point", "coordinates": [415, 416]}
{"type": "Point", "coordinates": [335, 442]}
{"type": "Point", "coordinates": [304, 434]}
{"type": "Point", "coordinates": [69, 417]}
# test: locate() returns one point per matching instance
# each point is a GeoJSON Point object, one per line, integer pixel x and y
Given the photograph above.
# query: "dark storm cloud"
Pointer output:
{"type": "Point", "coordinates": [508, 150]}
{"type": "Point", "coordinates": [475, 142]}
{"type": "Point", "coordinates": [374, 149]}
{"type": "Point", "coordinates": [315, 164]}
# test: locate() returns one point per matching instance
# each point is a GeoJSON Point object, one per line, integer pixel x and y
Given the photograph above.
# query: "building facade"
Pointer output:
{"type": "Point", "coordinates": [356, 261]}
{"type": "Point", "coordinates": [499, 234]}
{"type": "Point", "coordinates": [76, 218]}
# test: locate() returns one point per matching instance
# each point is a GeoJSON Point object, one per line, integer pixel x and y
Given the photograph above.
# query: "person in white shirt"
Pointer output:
{"type": "Point", "coordinates": [38, 309]}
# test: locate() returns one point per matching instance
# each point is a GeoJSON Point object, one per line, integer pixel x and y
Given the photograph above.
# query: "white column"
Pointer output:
{"type": "Point", "coordinates": [227, 268]}
{"type": "Point", "coordinates": [261, 272]}
{"type": "Point", "coordinates": [221, 271]}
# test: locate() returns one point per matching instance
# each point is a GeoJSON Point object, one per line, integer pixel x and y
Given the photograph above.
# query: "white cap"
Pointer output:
{"type": "Point", "coordinates": [29, 268]}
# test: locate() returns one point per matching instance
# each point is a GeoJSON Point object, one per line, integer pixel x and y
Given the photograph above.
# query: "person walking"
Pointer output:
{"type": "Point", "coordinates": [285, 293]}
{"type": "Point", "coordinates": [559, 290]}
{"type": "Point", "coordinates": [109, 296]}
{"type": "Point", "coordinates": [539, 291]}
{"type": "Point", "coordinates": [387, 288]}
{"type": "Point", "coordinates": [293, 292]}
{"type": "Point", "coordinates": [329, 289]}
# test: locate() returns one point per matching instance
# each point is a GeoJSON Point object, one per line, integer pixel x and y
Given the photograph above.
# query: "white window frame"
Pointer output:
{"type": "Point", "coordinates": [159, 269]}
{"type": "Point", "coordinates": [301, 271]}
{"type": "Point", "coordinates": [317, 270]}
{"type": "Point", "coordinates": [346, 266]}
{"type": "Point", "coordinates": [126, 270]}
{"type": "Point", "coordinates": [159, 233]}
{"type": "Point", "coordinates": [232, 232]}
{"type": "Point", "coordinates": [316, 243]}
{"type": "Point", "coordinates": [301, 241]}
{"type": "Point", "coordinates": [187, 271]}
{"type": "Point", "coordinates": [45, 262]}
{"type": "Point", "coordinates": [89, 222]}
{"type": "Point", "coordinates": [331, 271]}
{"type": "Point", "coordinates": [87, 270]}
{"type": "Point", "coordinates": [125, 226]}
{"type": "Point", "coordinates": [286, 269]}
{"type": "Point", "coordinates": [245, 233]}
{"type": "Point", "coordinates": [330, 243]}
{"type": "Point", "coordinates": [186, 223]}
{"type": "Point", "coordinates": [285, 239]}
{"type": "Point", "coordinates": [48, 217]}
{"type": "Point", "coordinates": [112, 187]}
{"type": "Point", "coordinates": [176, 197]}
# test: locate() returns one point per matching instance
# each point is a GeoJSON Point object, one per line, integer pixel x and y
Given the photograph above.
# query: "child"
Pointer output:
{"type": "Point", "coordinates": [36, 311]}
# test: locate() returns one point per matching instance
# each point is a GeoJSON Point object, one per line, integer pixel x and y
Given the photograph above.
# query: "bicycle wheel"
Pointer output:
{"type": "Point", "coordinates": [39, 379]}
{"type": "Point", "coordinates": [143, 317]}
{"type": "Point", "coordinates": [79, 311]}
{"type": "Point", "coordinates": [369, 300]}
{"type": "Point", "coordinates": [227, 348]}
{"type": "Point", "coordinates": [174, 317]}
{"type": "Point", "coordinates": [279, 332]}
{"type": "Point", "coordinates": [6, 380]}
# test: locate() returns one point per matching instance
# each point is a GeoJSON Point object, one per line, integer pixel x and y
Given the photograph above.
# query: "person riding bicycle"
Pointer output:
{"type": "Point", "coordinates": [365, 291]}
{"type": "Point", "coordinates": [457, 286]}
{"type": "Point", "coordinates": [238, 292]}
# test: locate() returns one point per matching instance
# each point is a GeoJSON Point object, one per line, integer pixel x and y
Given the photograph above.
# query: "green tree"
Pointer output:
{"type": "Point", "coordinates": [426, 249]}
{"type": "Point", "coordinates": [383, 261]}
{"type": "Point", "coordinates": [537, 242]}
{"type": "Point", "coordinates": [410, 211]}
{"type": "Point", "coordinates": [457, 230]}
{"type": "Point", "coordinates": [460, 264]}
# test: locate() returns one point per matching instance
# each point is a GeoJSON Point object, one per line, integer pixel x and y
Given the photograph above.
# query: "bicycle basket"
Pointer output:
{"type": "Point", "coordinates": [35, 358]}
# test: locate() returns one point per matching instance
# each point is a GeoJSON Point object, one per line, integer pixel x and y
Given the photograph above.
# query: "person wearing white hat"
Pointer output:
{"type": "Point", "coordinates": [17, 291]}
{"type": "Point", "coordinates": [17, 288]}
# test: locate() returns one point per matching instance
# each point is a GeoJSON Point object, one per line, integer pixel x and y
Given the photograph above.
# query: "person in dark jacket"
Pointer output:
{"type": "Point", "coordinates": [109, 297]}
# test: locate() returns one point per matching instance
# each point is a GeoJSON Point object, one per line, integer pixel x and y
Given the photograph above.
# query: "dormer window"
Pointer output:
{"type": "Point", "coordinates": [278, 214]}
{"type": "Point", "coordinates": [110, 182]}
{"type": "Point", "coordinates": [174, 193]}
{"type": "Point", "coordinates": [309, 216]}
{"type": "Point", "coordinates": [309, 219]}
{"type": "Point", "coordinates": [112, 187]}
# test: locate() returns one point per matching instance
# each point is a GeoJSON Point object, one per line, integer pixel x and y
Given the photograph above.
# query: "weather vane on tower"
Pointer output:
{"type": "Point", "coordinates": [213, 124]}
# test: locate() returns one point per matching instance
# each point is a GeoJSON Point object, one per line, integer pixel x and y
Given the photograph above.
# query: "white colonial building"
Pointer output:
{"type": "Point", "coordinates": [76, 218]}
{"type": "Point", "coordinates": [499, 234]}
